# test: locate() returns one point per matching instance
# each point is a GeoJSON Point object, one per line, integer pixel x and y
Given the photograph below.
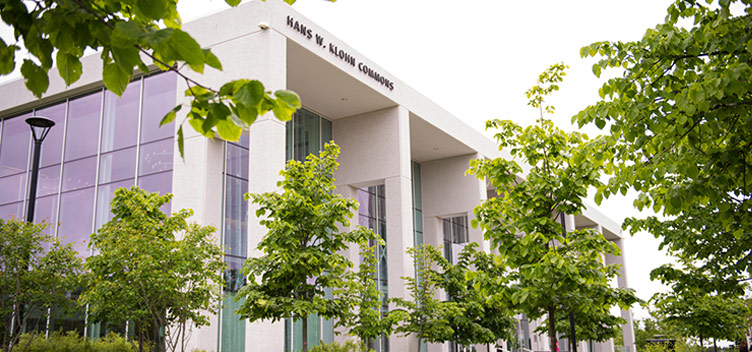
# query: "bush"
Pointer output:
{"type": "Point", "coordinates": [349, 346]}
{"type": "Point", "coordinates": [72, 342]}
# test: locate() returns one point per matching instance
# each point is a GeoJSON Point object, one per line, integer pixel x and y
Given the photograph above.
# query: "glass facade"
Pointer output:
{"type": "Point", "coordinates": [417, 204]}
{"type": "Point", "coordinates": [455, 236]}
{"type": "Point", "coordinates": [235, 240]}
{"type": "Point", "coordinates": [306, 133]}
{"type": "Point", "coordinates": [372, 214]}
{"type": "Point", "coordinates": [97, 145]}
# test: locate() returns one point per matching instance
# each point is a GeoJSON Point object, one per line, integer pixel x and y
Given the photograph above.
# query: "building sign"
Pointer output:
{"type": "Point", "coordinates": [343, 55]}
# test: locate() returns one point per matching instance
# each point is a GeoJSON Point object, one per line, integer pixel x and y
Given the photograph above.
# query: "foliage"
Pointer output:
{"type": "Point", "coordinates": [649, 328]}
{"type": "Point", "coordinates": [124, 33]}
{"type": "Point", "coordinates": [367, 321]}
{"type": "Point", "coordinates": [696, 309]}
{"type": "Point", "coordinates": [161, 272]}
{"type": "Point", "coordinates": [301, 252]}
{"type": "Point", "coordinates": [680, 119]}
{"type": "Point", "coordinates": [423, 314]}
{"type": "Point", "coordinates": [349, 346]}
{"type": "Point", "coordinates": [550, 270]}
{"type": "Point", "coordinates": [483, 320]}
{"type": "Point", "coordinates": [36, 273]}
{"type": "Point", "coordinates": [72, 342]}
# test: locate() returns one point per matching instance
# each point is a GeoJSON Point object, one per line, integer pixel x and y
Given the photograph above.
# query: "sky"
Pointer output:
{"type": "Point", "coordinates": [477, 58]}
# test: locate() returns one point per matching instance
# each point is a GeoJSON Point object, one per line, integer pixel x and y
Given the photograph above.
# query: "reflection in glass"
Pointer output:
{"type": "Point", "coordinates": [236, 217]}
{"type": "Point", "coordinates": [160, 183]}
{"type": "Point", "coordinates": [117, 165]}
{"type": "Point", "coordinates": [79, 173]}
{"type": "Point", "coordinates": [46, 210]}
{"type": "Point", "coordinates": [76, 211]}
{"type": "Point", "coordinates": [160, 94]}
{"type": "Point", "coordinates": [83, 126]}
{"type": "Point", "coordinates": [105, 193]}
{"type": "Point", "coordinates": [155, 157]}
{"type": "Point", "coordinates": [12, 188]}
{"type": "Point", "coordinates": [237, 161]}
{"type": "Point", "coordinates": [12, 210]}
{"type": "Point", "coordinates": [14, 150]}
{"type": "Point", "coordinates": [52, 147]}
{"type": "Point", "coordinates": [120, 118]}
{"type": "Point", "coordinates": [48, 181]}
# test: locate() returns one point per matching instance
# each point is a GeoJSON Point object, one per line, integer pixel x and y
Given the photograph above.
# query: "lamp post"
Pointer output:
{"type": "Point", "coordinates": [40, 127]}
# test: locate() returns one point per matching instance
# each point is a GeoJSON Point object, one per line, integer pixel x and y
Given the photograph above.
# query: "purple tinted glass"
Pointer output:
{"type": "Point", "coordinates": [117, 166]}
{"type": "Point", "coordinates": [79, 173]}
{"type": "Point", "coordinates": [14, 145]}
{"type": "Point", "coordinates": [48, 181]}
{"type": "Point", "coordinates": [120, 118]}
{"type": "Point", "coordinates": [160, 183]}
{"type": "Point", "coordinates": [160, 96]}
{"type": "Point", "coordinates": [236, 218]}
{"type": "Point", "coordinates": [12, 210]}
{"type": "Point", "coordinates": [82, 131]}
{"type": "Point", "coordinates": [46, 211]}
{"type": "Point", "coordinates": [76, 211]}
{"type": "Point", "coordinates": [237, 161]}
{"type": "Point", "coordinates": [12, 188]}
{"type": "Point", "coordinates": [105, 193]}
{"type": "Point", "coordinates": [155, 157]}
{"type": "Point", "coordinates": [52, 146]}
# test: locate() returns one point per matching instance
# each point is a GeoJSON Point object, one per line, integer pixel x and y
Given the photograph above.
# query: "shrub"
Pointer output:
{"type": "Point", "coordinates": [72, 342]}
{"type": "Point", "coordinates": [349, 346]}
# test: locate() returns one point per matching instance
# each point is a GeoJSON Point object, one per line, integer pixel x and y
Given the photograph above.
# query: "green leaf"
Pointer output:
{"type": "Point", "coordinates": [212, 60]}
{"type": "Point", "coordinates": [7, 58]}
{"type": "Point", "coordinates": [233, 3]}
{"type": "Point", "coordinates": [286, 104]}
{"type": "Point", "coordinates": [36, 78]}
{"type": "Point", "coordinates": [170, 116]}
{"type": "Point", "coordinates": [180, 142]}
{"type": "Point", "coordinates": [597, 70]}
{"type": "Point", "coordinates": [249, 94]}
{"type": "Point", "coordinates": [115, 79]}
{"type": "Point", "coordinates": [181, 46]}
{"type": "Point", "coordinates": [126, 34]}
{"type": "Point", "coordinates": [155, 9]}
{"type": "Point", "coordinates": [69, 67]}
{"type": "Point", "coordinates": [228, 131]}
{"type": "Point", "coordinates": [127, 58]}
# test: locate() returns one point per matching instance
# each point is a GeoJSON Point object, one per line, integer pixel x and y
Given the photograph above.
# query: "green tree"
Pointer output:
{"type": "Point", "coordinates": [483, 319]}
{"type": "Point", "coordinates": [36, 274]}
{"type": "Point", "coordinates": [680, 129]}
{"type": "Point", "coordinates": [301, 252]}
{"type": "Point", "coordinates": [551, 270]}
{"type": "Point", "coordinates": [424, 315]}
{"type": "Point", "coordinates": [124, 32]}
{"type": "Point", "coordinates": [366, 321]}
{"type": "Point", "coordinates": [696, 308]}
{"type": "Point", "coordinates": [163, 273]}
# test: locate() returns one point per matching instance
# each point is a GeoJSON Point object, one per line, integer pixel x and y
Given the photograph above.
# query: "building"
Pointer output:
{"type": "Point", "coordinates": [403, 157]}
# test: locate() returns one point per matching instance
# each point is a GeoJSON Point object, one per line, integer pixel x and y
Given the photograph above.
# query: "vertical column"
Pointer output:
{"type": "Point", "coordinates": [267, 158]}
{"type": "Point", "coordinates": [399, 225]}
{"type": "Point", "coordinates": [627, 329]}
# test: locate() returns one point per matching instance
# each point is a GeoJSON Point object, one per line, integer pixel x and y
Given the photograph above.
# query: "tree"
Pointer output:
{"type": "Point", "coordinates": [681, 132]}
{"type": "Point", "coordinates": [301, 252]}
{"type": "Point", "coordinates": [36, 274]}
{"type": "Point", "coordinates": [367, 321]}
{"type": "Point", "coordinates": [698, 309]}
{"type": "Point", "coordinates": [423, 314]}
{"type": "Point", "coordinates": [123, 31]}
{"type": "Point", "coordinates": [483, 319]}
{"type": "Point", "coordinates": [160, 272]}
{"type": "Point", "coordinates": [551, 270]}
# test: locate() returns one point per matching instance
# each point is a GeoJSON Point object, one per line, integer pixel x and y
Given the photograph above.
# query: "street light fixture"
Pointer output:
{"type": "Point", "coordinates": [40, 127]}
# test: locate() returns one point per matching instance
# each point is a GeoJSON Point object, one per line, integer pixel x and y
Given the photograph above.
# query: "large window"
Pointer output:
{"type": "Point", "coordinates": [100, 142]}
{"type": "Point", "coordinates": [417, 205]}
{"type": "Point", "coordinates": [235, 239]}
{"type": "Point", "coordinates": [372, 214]}
{"type": "Point", "coordinates": [455, 236]}
{"type": "Point", "coordinates": [306, 133]}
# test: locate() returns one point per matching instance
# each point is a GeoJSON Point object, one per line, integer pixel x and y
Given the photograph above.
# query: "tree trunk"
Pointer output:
{"type": "Point", "coordinates": [702, 345]}
{"type": "Point", "coordinates": [305, 334]}
{"type": "Point", "coordinates": [552, 328]}
{"type": "Point", "coordinates": [715, 348]}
